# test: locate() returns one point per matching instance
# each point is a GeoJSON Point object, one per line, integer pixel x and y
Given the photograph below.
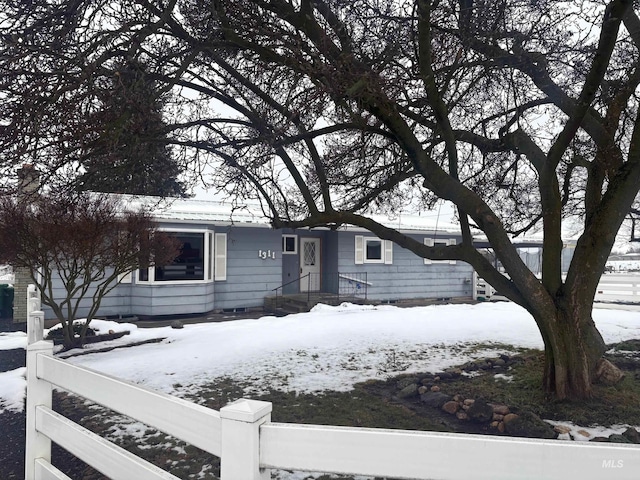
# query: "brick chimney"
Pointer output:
{"type": "Point", "coordinates": [28, 180]}
{"type": "Point", "coordinates": [28, 185]}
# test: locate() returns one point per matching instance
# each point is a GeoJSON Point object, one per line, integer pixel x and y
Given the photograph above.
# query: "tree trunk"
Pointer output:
{"type": "Point", "coordinates": [573, 347]}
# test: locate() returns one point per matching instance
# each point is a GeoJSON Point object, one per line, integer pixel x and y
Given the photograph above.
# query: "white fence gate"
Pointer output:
{"type": "Point", "coordinates": [242, 434]}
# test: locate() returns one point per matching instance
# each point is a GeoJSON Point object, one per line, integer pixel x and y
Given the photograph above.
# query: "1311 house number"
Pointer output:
{"type": "Point", "coordinates": [264, 254]}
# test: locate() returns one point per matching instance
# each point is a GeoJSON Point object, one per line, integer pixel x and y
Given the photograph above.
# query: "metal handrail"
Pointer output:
{"type": "Point", "coordinates": [358, 278]}
{"type": "Point", "coordinates": [308, 275]}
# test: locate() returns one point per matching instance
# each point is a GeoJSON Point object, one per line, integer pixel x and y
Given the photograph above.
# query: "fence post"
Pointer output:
{"type": "Point", "coordinates": [33, 300]}
{"type": "Point", "coordinates": [38, 393]}
{"type": "Point", "coordinates": [240, 452]}
{"type": "Point", "coordinates": [474, 281]}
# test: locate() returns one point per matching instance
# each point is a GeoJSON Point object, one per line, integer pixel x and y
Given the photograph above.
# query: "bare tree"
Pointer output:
{"type": "Point", "coordinates": [523, 114]}
{"type": "Point", "coordinates": [84, 243]}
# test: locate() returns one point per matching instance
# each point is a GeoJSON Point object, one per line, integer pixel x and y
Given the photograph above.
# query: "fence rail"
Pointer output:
{"type": "Point", "coordinates": [199, 426]}
{"type": "Point", "coordinates": [618, 288]}
{"type": "Point", "coordinates": [621, 287]}
{"type": "Point", "coordinates": [242, 435]}
{"type": "Point", "coordinates": [434, 455]}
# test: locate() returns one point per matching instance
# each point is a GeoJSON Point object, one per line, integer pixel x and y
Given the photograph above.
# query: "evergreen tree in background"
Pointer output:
{"type": "Point", "coordinates": [127, 153]}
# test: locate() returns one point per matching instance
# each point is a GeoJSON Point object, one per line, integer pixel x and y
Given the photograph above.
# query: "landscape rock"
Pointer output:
{"type": "Point", "coordinates": [405, 382]}
{"type": "Point", "coordinates": [435, 388]}
{"type": "Point", "coordinates": [470, 366]}
{"type": "Point", "coordinates": [528, 424]}
{"type": "Point", "coordinates": [509, 417]}
{"type": "Point", "coordinates": [480, 411]}
{"type": "Point", "coordinates": [500, 409]}
{"type": "Point", "coordinates": [434, 399]}
{"type": "Point", "coordinates": [451, 407]}
{"type": "Point", "coordinates": [427, 381]}
{"type": "Point", "coordinates": [607, 373]}
{"type": "Point", "coordinates": [177, 324]}
{"type": "Point", "coordinates": [617, 438]}
{"type": "Point", "coordinates": [422, 390]}
{"type": "Point", "coordinates": [562, 429]}
{"type": "Point", "coordinates": [462, 415]}
{"type": "Point", "coordinates": [408, 391]}
{"type": "Point", "coordinates": [632, 434]}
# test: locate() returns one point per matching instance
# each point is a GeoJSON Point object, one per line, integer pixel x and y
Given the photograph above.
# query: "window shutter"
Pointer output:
{"type": "Point", "coordinates": [452, 241]}
{"type": "Point", "coordinates": [359, 250]}
{"type": "Point", "coordinates": [429, 243]}
{"type": "Point", "coordinates": [388, 252]}
{"type": "Point", "coordinates": [124, 278]}
{"type": "Point", "coordinates": [220, 268]}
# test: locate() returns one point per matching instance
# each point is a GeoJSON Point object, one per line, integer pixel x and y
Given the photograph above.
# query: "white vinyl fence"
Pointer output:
{"type": "Point", "coordinates": [613, 288]}
{"type": "Point", "coordinates": [619, 287]}
{"type": "Point", "coordinates": [242, 434]}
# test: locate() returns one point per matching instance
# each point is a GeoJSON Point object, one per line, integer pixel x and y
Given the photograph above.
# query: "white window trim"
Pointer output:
{"type": "Point", "coordinates": [430, 242]}
{"type": "Point", "coordinates": [386, 247]}
{"type": "Point", "coordinates": [151, 275]}
{"type": "Point", "coordinates": [295, 244]}
{"type": "Point", "coordinates": [152, 270]}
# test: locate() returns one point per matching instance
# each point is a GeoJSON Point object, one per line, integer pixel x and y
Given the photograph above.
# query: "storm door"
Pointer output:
{"type": "Point", "coordinates": [310, 264]}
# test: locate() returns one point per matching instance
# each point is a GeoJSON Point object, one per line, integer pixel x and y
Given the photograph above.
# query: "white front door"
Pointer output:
{"type": "Point", "coordinates": [310, 264]}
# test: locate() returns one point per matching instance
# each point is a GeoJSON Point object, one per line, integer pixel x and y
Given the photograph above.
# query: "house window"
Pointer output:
{"type": "Point", "coordinates": [373, 250]}
{"type": "Point", "coordinates": [189, 264]}
{"type": "Point", "coordinates": [193, 263]}
{"type": "Point", "coordinates": [143, 274]}
{"type": "Point", "coordinates": [289, 244]}
{"type": "Point", "coordinates": [431, 242]}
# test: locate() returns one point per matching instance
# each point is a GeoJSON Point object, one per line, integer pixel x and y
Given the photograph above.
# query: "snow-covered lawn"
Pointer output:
{"type": "Point", "coordinates": [329, 348]}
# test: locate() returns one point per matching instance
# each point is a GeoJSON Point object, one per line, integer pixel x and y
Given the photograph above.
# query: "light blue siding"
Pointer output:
{"type": "Point", "coordinates": [171, 299]}
{"type": "Point", "coordinates": [117, 302]}
{"type": "Point", "coordinates": [249, 277]}
{"type": "Point", "coordinates": [407, 277]}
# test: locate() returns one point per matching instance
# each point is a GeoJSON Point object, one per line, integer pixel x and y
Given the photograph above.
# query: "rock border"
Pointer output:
{"type": "Point", "coordinates": [489, 416]}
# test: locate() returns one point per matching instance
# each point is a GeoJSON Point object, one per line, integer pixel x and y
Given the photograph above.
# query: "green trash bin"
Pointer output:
{"type": "Point", "coordinates": [6, 301]}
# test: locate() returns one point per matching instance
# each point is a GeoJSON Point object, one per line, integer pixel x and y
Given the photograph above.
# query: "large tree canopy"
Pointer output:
{"type": "Point", "coordinates": [521, 113]}
{"type": "Point", "coordinates": [129, 153]}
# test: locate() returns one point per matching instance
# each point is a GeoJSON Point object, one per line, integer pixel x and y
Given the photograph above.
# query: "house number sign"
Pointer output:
{"type": "Point", "coordinates": [264, 254]}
